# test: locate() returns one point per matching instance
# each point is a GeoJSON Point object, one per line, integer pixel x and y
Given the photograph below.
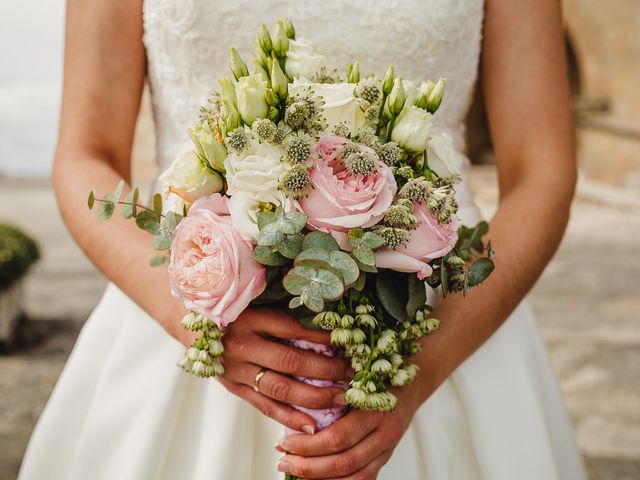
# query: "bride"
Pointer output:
{"type": "Point", "coordinates": [486, 404]}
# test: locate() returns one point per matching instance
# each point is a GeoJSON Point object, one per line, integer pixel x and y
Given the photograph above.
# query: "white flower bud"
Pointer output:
{"type": "Point", "coordinates": [412, 129]}
{"type": "Point", "coordinates": [355, 397]}
{"type": "Point", "coordinates": [190, 179]}
{"type": "Point", "coordinates": [238, 67]}
{"type": "Point", "coordinates": [252, 104]}
{"type": "Point", "coordinates": [358, 336]}
{"type": "Point", "coordinates": [341, 337]}
{"type": "Point", "coordinates": [216, 348]}
{"type": "Point", "coordinates": [193, 354]}
{"type": "Point", "coordinates": [381, 366]}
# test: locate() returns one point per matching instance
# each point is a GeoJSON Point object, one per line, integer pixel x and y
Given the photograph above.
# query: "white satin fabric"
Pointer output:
{"type": "Point", "coordinates": [123, 410]}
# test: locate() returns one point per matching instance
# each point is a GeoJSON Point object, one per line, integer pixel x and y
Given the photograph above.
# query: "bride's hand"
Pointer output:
{"type": "Point", "coordinates": [356, 446]}
{"type": "Point", "coordinates": [251, 344]}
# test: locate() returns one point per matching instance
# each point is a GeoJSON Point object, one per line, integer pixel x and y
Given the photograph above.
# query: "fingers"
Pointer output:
{"type": "Point", "coordinates": [283, 389]}
{"type": "Point", "coordinates": [281, 413]}
{"type": "Point", "coordinates": [278, 324]}
{"type": "Point", "coordinates": [343, 464]}
{"type": "Point", "coordinates": [370, 472]}
{"type": "Point", "coordinates": [284, 358]}
{"type": "Point", "coordinates": [342, 435]}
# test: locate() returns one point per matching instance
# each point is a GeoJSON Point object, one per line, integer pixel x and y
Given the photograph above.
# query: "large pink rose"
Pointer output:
{"type": "Point", "coordinates": [212, 270]}
{"type": "Point", "coordinates": [339, 200]}
{"type": "Point", "coordinates": [429, 241]}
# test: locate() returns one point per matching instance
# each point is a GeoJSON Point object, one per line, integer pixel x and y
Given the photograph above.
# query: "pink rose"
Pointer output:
{"type": "Point", "coordinates": [429, 241]}
{"type": "Point", "coordinates": [212, 270]}
{"type": "Point", "coordinates": [339, 200]}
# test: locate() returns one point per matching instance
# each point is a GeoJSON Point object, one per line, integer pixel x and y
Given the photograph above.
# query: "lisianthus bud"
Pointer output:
{"type": "Point", "coordinates": [238, 67]}
{"type": "Point", "coordinates": [387, 82]}
{"type": "Point", "coordinates": [208, 147]}
{"type": "Point", "coordinates": [252, 104]}
{"type": "Point", "coordinates": [264, 40]}
{"type": "Point", "coordinates": [302, 59]}
{"type": "Point", "coordinates": [227, 94]}
{"type": "Point", "coordinates": [279, 83]}
{"type": "Point", "coordinates": [280, 40]}
{"type": "Point", "coordinates": [435, 96]}
{"type": "Point", "coordinates": [353, 72]}
{"type": "Point", "coordinates": [412, 129]}
{"type": "Point", "coordinates": [289, 29]}
{"type": "Point", "coordinates": [258, 69]}
{"type": "Point", "coordinates": [397, 97]}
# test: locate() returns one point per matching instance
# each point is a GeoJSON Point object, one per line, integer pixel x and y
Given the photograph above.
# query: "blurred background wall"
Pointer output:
{"type": "Point", "coordinates": [587, 301]}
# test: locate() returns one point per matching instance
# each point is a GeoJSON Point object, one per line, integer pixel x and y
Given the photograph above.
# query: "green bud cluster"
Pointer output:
{"type": "Point", "coordinates": [265, 129]}
{"type": "Point", "coordinates": [203, 357]}
{"type": "Point", "coordinates": [389, 153]}
{"type": "Point", "coordinates": [416, 190]}
{"type": "Point", "coordinates": [295, 181]}
{"type": "Point", "coordinates": [304, 112]}
{"type": "Point", "coordinates": [297, 149]}
{"type": "Point", "coordinates": [237, 140]}
{"type": "Point", "coordinates": [361, 163]}
{"type": "Point", "coordinates": [401, 215]}
{"type": "Point", "coordinates": [368, 91]}
{"type": "Point", "coordinates": [393, 237]}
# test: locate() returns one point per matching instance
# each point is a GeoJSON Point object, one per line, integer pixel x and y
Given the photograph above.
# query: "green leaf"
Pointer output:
{"type": "Point", "coordinates": [162, 241]}
{"type": "Point", "coordinates": [366, 268]}
{"type": "Point", "coordinates": [157, 204]}
{"type": "Point", "coordinates": [91, 200]}
{"type": "Point", "coordinates": [128, 210]}
{"type": "Point", "coordinates": [392, 290]}
{"type": "Point", "coordinates": [271, 235]}
{"type": "Point", "coordinates": [265, 218]}
{"type": "Point", "coordinates": [266, 256]}
{"type": "Point", "coordinates": [365, 255]}
{"type": "Point", "coordinates": [148, 221]}
{"type": "Point", "coordinates": [313, 257]}
{"type": "Point", "coordinates": [417, 295]}
{"type": "Point", "coordinates": [291, 246]}
{"type": "Point", "coordinates": [312, 300]}
{"type": "Point", "coordinates": [346, 265]}
{"type": "Point", "coordinates": [157, 260]}
{"type": "Point", "coordinates": [331, 286]}
{"type": "Point", "coordinates": [295, 302]}
{"type": "Point", "coordinates": [300, 279]}
{"type": "Point", "coordinates": [372, 240]}
{"type": "Point", "coordinates": [444, 277]}
{"type": "Point", "coordinates": [319, 240]}
{"type": "Point", "coordinates": [479, 271]}
{"type": "Point", "coordinates": [292, 222]}
{"type": "Point", "coordinates": [355, 236]}
{"type": "Point", "coordinates": [360, 282]}
{"type": "Point", "coordinates": [118, 192]}
{"type": "Point", "coordinates": [106, 208]}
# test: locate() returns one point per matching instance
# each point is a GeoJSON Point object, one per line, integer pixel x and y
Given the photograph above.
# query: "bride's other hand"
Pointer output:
{"type": "Point", "coordinates": [253, 343]}
{"type": "Point", "coordinates": [356, 446]}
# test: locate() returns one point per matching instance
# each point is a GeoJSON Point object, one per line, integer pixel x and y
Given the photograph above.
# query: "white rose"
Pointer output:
{"type": "Point", "coordinates": [302, 59]}
{"type": "Point", "coordinates": [442, 156]}
{"type": "Point", "coordinates": [412, 129]}
{"type": "Point", "coordinates": [253, 180]}
{"type": "Point", "coordinates": [188, 178]}
{"type": "Point", "coordinates": [340, 104]}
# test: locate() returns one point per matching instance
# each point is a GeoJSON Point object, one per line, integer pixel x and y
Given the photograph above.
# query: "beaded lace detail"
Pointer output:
{"type": "Point", "coordinates": [188, 42]}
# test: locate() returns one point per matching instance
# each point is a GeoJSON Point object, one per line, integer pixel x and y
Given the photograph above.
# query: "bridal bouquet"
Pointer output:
{"type": "Point", "coordinates": [331, 195]}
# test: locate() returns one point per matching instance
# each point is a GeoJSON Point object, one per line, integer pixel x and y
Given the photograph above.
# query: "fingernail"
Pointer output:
{"type": "Point", "coordinates": [308, 429]}
{"type": "Point", "coordinates": [283, 466]}
{"type": "Point", "coordinates": [285, 445]}
{"type": "Point", "coordinates": [338, 400]}
{"type": "Point", "coordinates": [279, 446]}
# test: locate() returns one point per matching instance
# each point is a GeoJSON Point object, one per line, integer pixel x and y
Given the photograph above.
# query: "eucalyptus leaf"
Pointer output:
{"type": "Point", "coordinates": [355, 236]}
{"type": "Point", "coordinates": [295, 302]}
{"type": "Point", "coordinates": [106, 208]}
{"type": "Point", "coordinates": [360, 282]}
{"type": "Point", "coordinates": [148, 221]}
{"type": "Point", "coordinates": [365, 255]}
{"type": "Point", "coordinates": [319, 240]}
{"type": "Point", "coordinates": [271, 235]}
{"type": "Point", "coordinates": [91, 200]}
{"type": "Point", "coordinates": [118, 192]}
{"type": "Point", "coordinates": [444, 277]}
{"type": "Point", "coordinates": [266, 256]}
{"type": "Point", "coordinates": [291, 246]}
{"type": "Point", "coordinates": [265, 218]}
{"type": "Point", "coordinates": [162, 241]}
{"type": "Point", "coordinates": [372, 240]}
{"type": "Point", "coordinates": [292, 222]}
{"type": "Point", "coordinates": [346, 265]}
{"type": "Point", "coordinates": [312, 300]}
{"type": "Point", "coordinates": [157, 260]}
{"type": "Point", "coordinates": [479, 271]}
{"type": "Point", "coordinates": [157, 204]}
{"type": "Point", "coordinates": [365, 268]}
{"type": "Point", "coordinates": [128, 210]}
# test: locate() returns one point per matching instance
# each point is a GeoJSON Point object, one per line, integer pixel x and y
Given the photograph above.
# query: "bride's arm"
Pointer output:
{"type": "Point", "coordinates": [527, 97]}
{"type": "Point", "coordinates": [104, 77]}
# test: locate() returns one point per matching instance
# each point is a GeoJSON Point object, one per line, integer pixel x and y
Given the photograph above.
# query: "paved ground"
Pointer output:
{"type": "Point", "coordinates": [587, 302]}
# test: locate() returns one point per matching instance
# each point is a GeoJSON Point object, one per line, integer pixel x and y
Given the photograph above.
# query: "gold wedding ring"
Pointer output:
{"type": "Point", "coordinates": [256, 381]}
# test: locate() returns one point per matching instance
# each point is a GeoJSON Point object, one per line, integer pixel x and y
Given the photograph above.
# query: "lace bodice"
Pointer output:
{"type": "Point", "coordinates": [188, 43]}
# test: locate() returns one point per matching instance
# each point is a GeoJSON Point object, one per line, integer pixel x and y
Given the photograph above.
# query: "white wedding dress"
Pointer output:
{"type": "Point", "coordinates": [123, 410]}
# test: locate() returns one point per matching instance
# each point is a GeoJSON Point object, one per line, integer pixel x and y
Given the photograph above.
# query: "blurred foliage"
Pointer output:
{"type": "Point", "coordinates": [18, 252]}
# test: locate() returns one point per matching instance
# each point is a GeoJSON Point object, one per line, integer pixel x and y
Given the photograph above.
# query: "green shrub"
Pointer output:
{"type": "Point", "coordinates": [17, 253]}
